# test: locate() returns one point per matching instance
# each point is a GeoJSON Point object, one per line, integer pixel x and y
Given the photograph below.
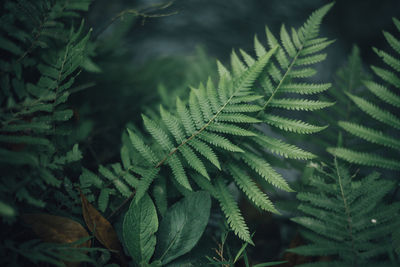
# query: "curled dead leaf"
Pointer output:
{"type": "Point", "coordinates": [101, 228]}
{"type": "Point", "coordinates": [56, 229]}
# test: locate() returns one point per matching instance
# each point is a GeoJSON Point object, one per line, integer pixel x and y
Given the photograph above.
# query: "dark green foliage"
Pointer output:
{"type": "Point", "coordinates": [347, 217]}
{"type": "Point", "coordinates": [42, 56]}
{"type": "Point", "coordinates": [56, 254]}
{"type": "Point", "coordinates": [383, 107]}
{"type": "Point", "coordinates": [194, 133]}
{"type": "Point", "coordinates": [43, 46]}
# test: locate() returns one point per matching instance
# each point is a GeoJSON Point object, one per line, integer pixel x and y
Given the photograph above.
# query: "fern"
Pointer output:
{"type": "Point", "coordinates": [346, 217]}
{"type": "Point", "coordinates": [383, 111]}
{"type": "Point", "coordinates": [216, 125]}
{"type": "Point", "coordinates": [42, 54]}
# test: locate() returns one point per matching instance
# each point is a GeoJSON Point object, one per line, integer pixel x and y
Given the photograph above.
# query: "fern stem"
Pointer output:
{"type": "Point", "coordinates": [196, 133]}
{"type": "Point", "coordinates": [281, 81]}
{"type": "Point", "coordinates": [137, 13]}
{"type": "Point", "coordinates": [58, 84]}
{"type": "Point", "coordinates": [119, 208]}
{"type": "Point", "coordinates": [39, 31]}
{"type": "Point", "coordinates": [347, 210]}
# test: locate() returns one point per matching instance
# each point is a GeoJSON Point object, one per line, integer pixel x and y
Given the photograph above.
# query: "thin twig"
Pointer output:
{"type": "Point", "coordinates": [120, 207]}
{"type": "Point", "coordinates": [138, 13]}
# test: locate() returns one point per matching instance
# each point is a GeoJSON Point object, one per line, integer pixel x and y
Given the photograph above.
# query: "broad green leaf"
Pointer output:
{"type": "Point", "coordinates": [139, 228]}
{"type": "Point", "coordinates": [182, 226]}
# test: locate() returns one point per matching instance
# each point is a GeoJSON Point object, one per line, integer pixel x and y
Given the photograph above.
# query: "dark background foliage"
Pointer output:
{"type": "Point", "coordinates": [223, 25]}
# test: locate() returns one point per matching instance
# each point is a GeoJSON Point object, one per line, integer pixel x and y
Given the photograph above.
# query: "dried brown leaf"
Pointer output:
{"type": "Point", "coordinates": [101, 228]}
{"type": "Point", "coordinates": [56, 229]}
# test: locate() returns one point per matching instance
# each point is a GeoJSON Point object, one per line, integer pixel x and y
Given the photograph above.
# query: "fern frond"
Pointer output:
{"type": "Point", "coordinates": [300, 104]}
{"type": "Point", "coordinates": [378, 111]}
{"type": "Point", "coordinates": [104, 198]}
{"type": "Point", "coordinates": [290, 125]}
{"type": "Point", "coordinates": [178, 171]}
{"type": "Point", "coordinates": [158, 134]}
{"type": "Point", "coordinates": [206, 151]}
{"type": "Point", "coordinates": [41, 99]}
{"type": "Point", "coordinates": [265, 170]}
{"type": "Point", "coordinates": [383, 93]}
{"type": "Point", "coordinates": [147, 178]}
{"type": "Point", "coordinates": [217, 118]}
{"type": "Point", "coordinates": [393, 41]}
{"type": "Point", "coordinates": [350, 219]}
{"type": "Point", "coordinates": [185, 117]}
{"type": "Point", "coordinates": [368, 159]}
{"type": "Point", "coordinates": [232, 212]}
{"type": "Point", "coordinates": [387, 75]}
{"type": "Point", "coordinates": [283, 149]}
{"type": "Point", "coordinates": [241, 108]}
{"type": "Point", "coordinates": [302, 73]}
{"type": "Point", "coordinates": [305, 88]}
{"type": "Point", "coordinates": [219, 141]}
{"type": "Point", "coordinates": [118, 183]}
{"type": "Point", "coordinates": [143, 149]}
{"type": "Point", "coordinates": [388, 59]}
{"type": "Point", "coordinates": [251, 190]}
{"type": "Point", "coordinates": [194, 161]}
{"type": "Point", "coordinates": [230, 129]}
{"type": "Point", "coordinates": [370, 134]}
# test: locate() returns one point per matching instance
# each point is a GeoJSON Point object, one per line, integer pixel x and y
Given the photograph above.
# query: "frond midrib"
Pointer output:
{"type": "Point", "coordinates": [238, 89]}
{"type": "Point", "coordinates": [347, 210]}
{"type": "Point", "coordinates": [197, 132]}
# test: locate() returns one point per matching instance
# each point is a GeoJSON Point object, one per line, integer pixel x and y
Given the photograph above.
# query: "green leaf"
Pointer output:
{"type": "Point", "coordinates": [283, 149]}
{"type": "Point", "coordinates": [7, 210]}
{"type": "Point", "coordinates": [139, 228]}
{"type": "Point", "coordinates": [368, 159]}
{"type": "Point", "coordinates": [185, 117]}
{"type": "Point", "coordinates": [229, 129]}
{"type": "Point", "coordinates": [272, 263]}
{"type": "Point", "coordinates": [193, 160]}
{"type": "Point", "coordinates": [369, 134]}
{"type": "Point", "coordinates": [232, 212]}
{"type": "Point", "coordinates": [299, 104]}
{"type": "Point", "coordinates": [291, 125]}
{"type": "Point", "coordinates": [147, 178]}
{"type": "Point", "coordinates": [376, 112]}
{"type": "Point", "coordinates": [305, 88]}
{"type": "Point", "coordinates": [260, 166]}
{"type": "Point", "coordinates": [178, 171]}
{"type": "Point", "coordinates": [219, 141]}
{"type": "Point", "coordinates": [383, 93]}
{"type": "Point", "coordinates": [158, 134]}
{"type": "Point", "coordinates": [140, 146]}
{"type": "Point", "coordinates": [253, 192]}
{"type": "Point", "coordinates": [206, 151]}
{"type": "Point", "coordinates": [182, 226]}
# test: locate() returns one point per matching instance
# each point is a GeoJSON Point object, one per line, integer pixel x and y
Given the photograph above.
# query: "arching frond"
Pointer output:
{"type": "Point", "coordinates": [384, 112]}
